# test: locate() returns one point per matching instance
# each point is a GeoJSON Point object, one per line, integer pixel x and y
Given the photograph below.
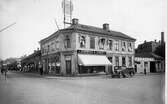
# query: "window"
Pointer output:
{"type": "Point", "coordinates": [110, 44]}
{"type": "Point", "coordinates": [82, 41]}
{"type": "Point", "coordinates": [123, 61]}
{"type": "Point", "coordinates": [130, 47]}
{"type": "Point", "coordinates": [130, 61]}
{"type": "Point", "coordinates": [92, 42]}
{"type": "Point", "coordinates": [110, 59]}
{"type": "Point", "coordinates": [101, 43]}
{"type": "Point", "coordinates": [67, 43]}
{"type": "Point", "coordinates": [123, 44]}
{"type": "Point", "coordinates": [52, 46]}
{"type": "Point", "coordinates": [116, 45]}
{"type": "Point", "coordinates": [145, 64]}
{"type": "Point", "coordinates": [116, 60]}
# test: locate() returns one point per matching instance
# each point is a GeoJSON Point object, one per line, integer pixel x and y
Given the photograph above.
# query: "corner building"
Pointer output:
{"type": "Point", "coordinates": [82, 49]}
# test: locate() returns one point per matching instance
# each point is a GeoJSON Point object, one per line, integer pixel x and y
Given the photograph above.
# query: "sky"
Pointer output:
{"type": "Point", "coordinates": [35, 20]}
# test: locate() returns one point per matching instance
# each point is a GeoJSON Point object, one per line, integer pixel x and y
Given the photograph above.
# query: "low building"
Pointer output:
{"type": "Point", "coordinates": [145, 58]}
{"type": "Point", "coordinates": [31, 62]}
{"type": "Point", "coordinates": [86, 49]}
{"type": "Point", "coordinates": [149, 61]}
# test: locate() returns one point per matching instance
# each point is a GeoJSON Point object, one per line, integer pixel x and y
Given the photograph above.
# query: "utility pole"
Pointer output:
{"type": "Point", "coordinates": [7, 27]}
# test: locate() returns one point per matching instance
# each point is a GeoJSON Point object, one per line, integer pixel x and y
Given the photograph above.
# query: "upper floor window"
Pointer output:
{"type": "Point", "coordinates": [92, 42]}
{"type": "Point", "coordinates": [52, 46]}
{"type": "Point", "coordinates": [101, 43]}
{"type": "Point", "coordinates": [129, 46]}
{"type": "Point", "coordinates": [67, 43]}
{"type": "Point", "coordinates": [48, 48]}
{"type": "Point", "coordinates": [56, 45]}
{"type": "Point", "coordinates": [42, 50]}
{"type": "Point", "coordinates": [116, 45]}
{"type": "Point", "coordinates": [82, 41]}
{"type": "Point", "coordinates": [110, 44]}
{"type": "Point", "coordinates": [123, 44]}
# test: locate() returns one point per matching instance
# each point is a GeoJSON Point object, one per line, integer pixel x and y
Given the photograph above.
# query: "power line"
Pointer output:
{"type": "Point", "coordinates": [7, 27]}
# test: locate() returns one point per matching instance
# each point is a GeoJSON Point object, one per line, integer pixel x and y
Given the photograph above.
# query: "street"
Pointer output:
{"type": "Point", "coordinates": [22, 88]}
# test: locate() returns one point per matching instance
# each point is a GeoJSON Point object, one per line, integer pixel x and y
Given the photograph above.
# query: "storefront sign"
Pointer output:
{"type": "Point", "coordinates": [67, 57]}
{"type": "Point", "coordinates": [91, 52]}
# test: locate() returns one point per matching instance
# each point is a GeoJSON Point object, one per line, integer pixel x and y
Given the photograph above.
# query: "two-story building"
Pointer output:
{"type": "Point", "coordinates": [86, 49]}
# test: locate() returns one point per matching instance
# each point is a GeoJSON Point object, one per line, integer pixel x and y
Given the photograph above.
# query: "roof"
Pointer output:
{"type": "Point", "coordinates": [93, 29]}
{"type": "Point", "coordinates": [87, 28]}
{"type": "Point", "coordinates": [148, 55]}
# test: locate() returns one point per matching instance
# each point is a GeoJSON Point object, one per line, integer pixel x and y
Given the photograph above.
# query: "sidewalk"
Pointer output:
{"type": "Point", "coordinates": [95, 75]}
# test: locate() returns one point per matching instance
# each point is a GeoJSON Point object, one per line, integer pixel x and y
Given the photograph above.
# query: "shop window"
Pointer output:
{"type": "Point", "coordinates": [110, 59]}
{"type": "Point", "coordinates": [116, 60]}
{"type": "Point", "coordinates": [130, 61]}
{"type": "Point", "coordinates": [82, 41]}
{"type": "Point", "coordinates": [101, 43]}
{"type": "Point", "coordinates": [116, 45]}
{"type": "Point", "coordinates": [123, 44]}
{"type": "Point", "coordinates": [145, 64]}
{"type": "Point", "coordinates": [123, 61]}
{"type": "Point", "coordinates": [110, 44]}
{"type": "Point", "coordinates": [92, 42]}
{"type": "Point", "coordinates": [67, 43]}
{"type": "Point", "coordinates": [130, 47]}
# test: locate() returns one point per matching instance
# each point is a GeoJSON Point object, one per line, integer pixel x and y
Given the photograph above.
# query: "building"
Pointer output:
{"type": "Point", "coordinates": [30, 63]}
{"type": "Point", "coordinates": [86, 49]}
{"type": "Point", "coordinates": [145, 58]}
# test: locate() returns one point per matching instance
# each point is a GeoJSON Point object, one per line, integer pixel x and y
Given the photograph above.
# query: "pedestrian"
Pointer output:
{"type": "Point", "coordinates": [41, 69]}
{"type": "Point", "coordinates": [1, 70]}
{"type": "Point", "coordinates": [5, 70]}
{"type": "Point", "coordinates": [145, 71]}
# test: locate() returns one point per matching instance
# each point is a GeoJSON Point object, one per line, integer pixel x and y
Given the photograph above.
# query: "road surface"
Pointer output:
{"type": "Point", "coordinates": [22, 88]}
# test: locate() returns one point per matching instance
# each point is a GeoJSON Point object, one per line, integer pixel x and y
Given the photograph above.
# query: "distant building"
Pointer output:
{"type": "Point", "coordinates": [31, 62]}
{"type": "Point", "coordinates": [86, 49]}
{"type": "Point", "coordinates": [145, 58]}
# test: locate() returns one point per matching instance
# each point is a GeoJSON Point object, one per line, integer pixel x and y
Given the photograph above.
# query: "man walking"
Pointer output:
{"type": "Point", "coordinates": [145, 71]}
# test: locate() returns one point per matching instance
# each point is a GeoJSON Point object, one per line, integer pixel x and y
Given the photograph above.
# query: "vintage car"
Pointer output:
{"type": "Point", "coordinates": [122, 72]}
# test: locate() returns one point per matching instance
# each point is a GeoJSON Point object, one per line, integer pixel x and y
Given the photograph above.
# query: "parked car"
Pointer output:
{"type": "Point", "coordinates": [122, 72]}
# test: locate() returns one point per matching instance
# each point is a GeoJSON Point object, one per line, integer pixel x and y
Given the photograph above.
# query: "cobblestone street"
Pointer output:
{"type": "Point", "coordinates": [21, 88]}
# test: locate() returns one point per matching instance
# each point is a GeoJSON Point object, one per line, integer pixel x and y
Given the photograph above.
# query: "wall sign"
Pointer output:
{"type": "Point", "coordinates": [91, 52]}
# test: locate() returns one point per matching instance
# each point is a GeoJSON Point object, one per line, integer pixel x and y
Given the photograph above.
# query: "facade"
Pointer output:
{"type": "Point", "coordinates": [86, 49]}
{"type": "Point", "coordinates": [149, 61]}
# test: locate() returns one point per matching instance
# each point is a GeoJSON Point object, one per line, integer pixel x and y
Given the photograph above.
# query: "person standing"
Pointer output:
{"type": "Point", "coordinates": [40, 69]}
{"type": "Point", "coordinates": [145, 71]}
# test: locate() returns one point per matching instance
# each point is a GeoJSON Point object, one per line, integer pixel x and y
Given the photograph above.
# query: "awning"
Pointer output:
{"type": "Point", "coordinates": [93, 60]}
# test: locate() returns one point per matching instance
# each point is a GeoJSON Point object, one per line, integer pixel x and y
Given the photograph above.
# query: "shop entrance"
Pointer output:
{"type": "Point", "coordinates": [152, 67]}
{"type": "Point", "coordinates": [68, 67]}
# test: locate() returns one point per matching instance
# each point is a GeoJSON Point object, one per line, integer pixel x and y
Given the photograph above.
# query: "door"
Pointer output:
{"type": "Point", "coordinates": [152, 67]}
{"type": "Point", "coordinates": [68, 67]}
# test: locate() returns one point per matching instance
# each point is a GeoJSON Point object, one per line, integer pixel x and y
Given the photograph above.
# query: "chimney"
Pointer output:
{"type": "Point", "coordinates": [155, 40]}
{"type": "Point", "coordinates": [145, 41]}
{"type": "Point", "coordinates": [75, 21]}
{"type": "Point", "coordinates": [106, 26]}
{"type": "Point", "coordinates": [162, 37]}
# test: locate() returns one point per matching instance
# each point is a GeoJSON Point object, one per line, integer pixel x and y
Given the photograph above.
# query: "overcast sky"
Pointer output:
{"type": "Point", "coordinates": [140, 19]}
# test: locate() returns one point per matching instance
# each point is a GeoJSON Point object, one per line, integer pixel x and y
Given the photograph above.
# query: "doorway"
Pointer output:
{"type": "Point", "coordinates": [68, 67]}
{"type": "Point", "coordinates": [152, 67]}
